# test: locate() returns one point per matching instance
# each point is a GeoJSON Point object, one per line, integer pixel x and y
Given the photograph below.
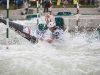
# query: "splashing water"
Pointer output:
{"type": "Point", "coordinates": [75, 56]}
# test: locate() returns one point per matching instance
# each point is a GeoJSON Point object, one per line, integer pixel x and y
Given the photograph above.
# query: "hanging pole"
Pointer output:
{"type": "Point", "coordinates": [63, 8]}
{"type": "Point", "coordinates": [78, 12]}
{"type": "Point", "coordinates": [37, 18]}
{"type": "Point", "coordinates": [37, 12]}
{"type": "Point", "coordinates": [99, 3]}
{"type": "Point", "coordinates": [7, 22]}
{"type": "Point", "coordinates": [99, 6]}
{"type": "Point", "coordinates": [41, 7]}
{"type": "Point", "coordinates": [67, 25]}
{"type": "Point", "coordinates": [50, 9]}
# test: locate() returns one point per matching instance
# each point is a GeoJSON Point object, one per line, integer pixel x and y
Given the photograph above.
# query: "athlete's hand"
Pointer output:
{"type": "Point", "coordinates": [41, 38]}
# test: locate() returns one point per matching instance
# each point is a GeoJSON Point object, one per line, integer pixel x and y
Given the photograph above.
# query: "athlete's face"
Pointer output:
{"type": "Point", "coordinates": [51, 28]}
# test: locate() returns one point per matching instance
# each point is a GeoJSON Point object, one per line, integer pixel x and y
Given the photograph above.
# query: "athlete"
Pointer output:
{"type": "Point", "coordinates": [52, 33]}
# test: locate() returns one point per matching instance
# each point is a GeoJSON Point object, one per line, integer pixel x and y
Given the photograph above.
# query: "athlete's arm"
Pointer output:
{"type": "Point", "coordinates": [47, 40]}
{"type": "Point", "coordinates": [50, 40]}
{"type": "Point", "coordinates": [47, 19]}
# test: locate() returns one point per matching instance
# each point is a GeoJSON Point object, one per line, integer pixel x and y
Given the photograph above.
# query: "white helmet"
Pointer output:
{"type": "Point", "coordinates": [51, 24]}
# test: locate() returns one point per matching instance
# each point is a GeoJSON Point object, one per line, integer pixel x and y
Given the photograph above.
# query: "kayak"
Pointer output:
{"type": "Point", "coordinates": [28, 33]}
{"type": "Point", "coordinates": [24, 31]}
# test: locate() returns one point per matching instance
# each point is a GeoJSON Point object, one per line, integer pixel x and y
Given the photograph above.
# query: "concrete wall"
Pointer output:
{"type": "Point", "coordinates": [86, 21]}
{"type": "Point", "coordinates": [16, 14]}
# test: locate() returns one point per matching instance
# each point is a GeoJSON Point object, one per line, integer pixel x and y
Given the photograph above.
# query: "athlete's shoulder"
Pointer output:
{"type": "Point", "coordinates": [59, 28]}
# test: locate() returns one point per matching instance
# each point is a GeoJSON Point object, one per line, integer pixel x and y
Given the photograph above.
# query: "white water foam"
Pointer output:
{"type": "Point", "coordinates": [76, 56]}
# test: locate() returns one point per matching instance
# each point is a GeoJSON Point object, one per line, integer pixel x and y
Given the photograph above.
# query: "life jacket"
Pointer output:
{"type": "Point", "coordinates": [75, 1]}
{"type": "Point", "coordinates": [57, 32]}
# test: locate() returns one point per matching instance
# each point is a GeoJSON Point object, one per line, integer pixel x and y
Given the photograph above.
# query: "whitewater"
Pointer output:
{"type": "Point", "coordinates": [79, 54]}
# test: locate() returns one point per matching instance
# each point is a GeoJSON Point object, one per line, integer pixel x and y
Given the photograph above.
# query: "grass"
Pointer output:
{"type": "Point", "coordinates": [11, 7]}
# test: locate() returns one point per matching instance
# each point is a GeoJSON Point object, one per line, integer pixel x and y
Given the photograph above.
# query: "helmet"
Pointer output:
{"type": "Point", "coordinates": [51, 24]}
